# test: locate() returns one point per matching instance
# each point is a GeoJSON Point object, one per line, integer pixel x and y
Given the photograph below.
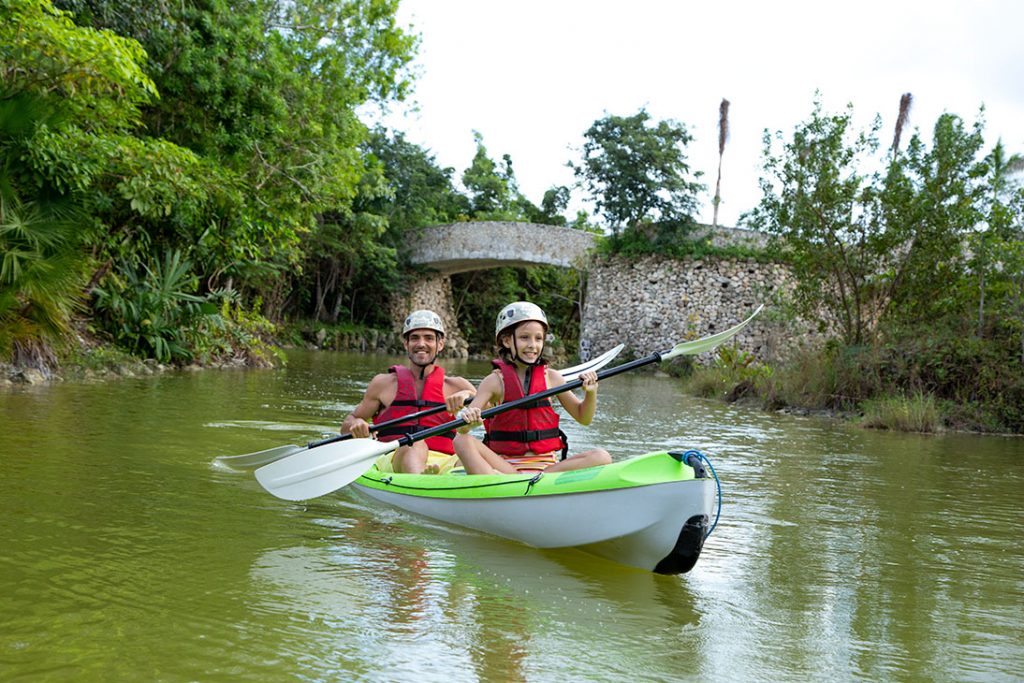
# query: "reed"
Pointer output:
{"type": "Point", "coordinates": [915, 413]}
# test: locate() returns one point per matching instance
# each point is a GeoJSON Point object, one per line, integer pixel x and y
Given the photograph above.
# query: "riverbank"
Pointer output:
{"type": "Point", "coordinates": [809, 387]}
{"type": "Point", "coordinates": [812, 386]}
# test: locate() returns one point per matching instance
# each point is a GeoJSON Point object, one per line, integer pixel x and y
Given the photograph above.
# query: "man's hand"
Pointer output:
{"type": "Point", "coordinates": [359, 428]}
{"type": "Point", "coordinates": [456, 401]}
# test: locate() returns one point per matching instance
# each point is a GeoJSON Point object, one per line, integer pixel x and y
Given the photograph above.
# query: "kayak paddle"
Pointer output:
{"type": "Point", "coordinates": [330, 467]}
{"type": "Point", "coordinates": [260, 458]}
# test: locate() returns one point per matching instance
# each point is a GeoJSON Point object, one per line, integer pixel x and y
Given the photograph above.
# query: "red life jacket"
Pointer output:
{"type": "Point", "coordinates": [407, 402]}
{"type": "Point", "coordinates": [530, 429]}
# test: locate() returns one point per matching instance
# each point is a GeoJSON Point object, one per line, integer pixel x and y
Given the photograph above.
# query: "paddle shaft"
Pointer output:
{"type": "Point", "coordinates": [389, 423]}
{"type": "Point", "coordinates": [410, 439]}
{"type": "Point", "coordinates": [576, 370]}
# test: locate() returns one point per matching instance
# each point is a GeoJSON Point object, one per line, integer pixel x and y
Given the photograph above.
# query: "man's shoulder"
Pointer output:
{"type": "Point", "coordinates": [457, 381]}
{"type": "Point", "coordinates": [383, 379]}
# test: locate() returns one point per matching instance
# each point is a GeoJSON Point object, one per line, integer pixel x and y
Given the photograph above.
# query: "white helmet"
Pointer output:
{"type": "Point", "coordinates": [517, 312]}
{"type": "Point", "coordinates": [423, 320]}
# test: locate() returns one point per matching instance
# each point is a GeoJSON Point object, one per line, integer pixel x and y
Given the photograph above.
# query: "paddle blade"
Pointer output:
{"type": "Point", "coordinates": [692, 348]}
{"type": "Point", "coordinates": [595, 364]}
{"type": "Point", "coordinates": [253, 460]}
{"type": "Point", "coordinates": [319, 471]}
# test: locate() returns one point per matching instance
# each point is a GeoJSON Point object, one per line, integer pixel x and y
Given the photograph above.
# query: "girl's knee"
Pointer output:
{"type": "Point", "coordinates": [600, 456]}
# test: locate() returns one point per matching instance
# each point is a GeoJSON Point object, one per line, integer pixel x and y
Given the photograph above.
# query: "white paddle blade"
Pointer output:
{"type": "Point", "coordinates": [594, 364]}
{"type": "Point", "coordinates": [318, 471]}
{"type": "Point", "coordinates": [692, 348]}
{"type": "Point", "coordinates": [252, 460]}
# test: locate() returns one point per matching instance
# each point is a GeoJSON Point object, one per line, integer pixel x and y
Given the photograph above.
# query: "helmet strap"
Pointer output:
{"type": "Point", "coordinates": [423, 367]}
{"type": "Point", "coordinates": [517, 359]}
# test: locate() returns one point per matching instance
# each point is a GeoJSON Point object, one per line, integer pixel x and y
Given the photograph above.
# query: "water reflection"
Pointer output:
{"type": "Point", "coordinates": [500, 610]}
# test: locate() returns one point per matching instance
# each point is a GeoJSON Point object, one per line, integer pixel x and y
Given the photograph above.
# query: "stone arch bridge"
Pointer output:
{"type": "Point", "coordinates": [461, 247]}
{"type": "Point", "coordinates": [657, 301]}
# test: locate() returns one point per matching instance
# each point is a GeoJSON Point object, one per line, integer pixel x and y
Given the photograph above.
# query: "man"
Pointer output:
{"type": "Point", "coordinates": [410, 388]}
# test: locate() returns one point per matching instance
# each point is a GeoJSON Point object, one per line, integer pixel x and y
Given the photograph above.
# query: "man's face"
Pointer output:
{"type": "Point", "coordinates": [422, 346]}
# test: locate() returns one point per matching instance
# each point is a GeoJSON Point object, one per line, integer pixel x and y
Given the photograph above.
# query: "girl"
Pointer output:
{"type": "Point", "coordinates": [525, 439]}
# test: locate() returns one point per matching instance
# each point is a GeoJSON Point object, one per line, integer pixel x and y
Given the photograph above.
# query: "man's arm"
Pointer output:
{"type": "Point", "coordinates": [456, 391]}
{"type": "Point", "coordinates": [357, 423]}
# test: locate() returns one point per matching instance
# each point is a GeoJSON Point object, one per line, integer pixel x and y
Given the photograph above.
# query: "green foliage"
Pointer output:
{"type": "Point", "coordinates": [638, 173]}
{"type": "Point", "coordinates": [250, 156]}
{"type": "Point", "coordinates": [915, 413]}
{"type": "Point", "coordinates": [256, 140]}
{"type": "Point", "coordinates": [645, 241]}
{"type": "Point", "coordinates": [479, 295]}
{"type": "Point", "coordinates": [492, 188]}
{"type": "Point", "coordinates": [96, 73]}
{"type": "Point", "coordinates": [41, 267]}
{"type": "Point", "coordinates": [929, 205]}
{"type": "Point", "coordinates": [817, 204]}
{"type": "Point", "coordinates": [872, 250]}
{"type": "Point", "coordinates": [153, 312]}
{"type": "Point", "coordinates": [420, 193]}
{"type": "Point", "coordinates": [917, 265]}
{"type": "Point", "coordinates": [734, 374]}
{"type": "Point", "coordinates": [552, 207]}
{"type": "Point", "coordinates": [237, 334]}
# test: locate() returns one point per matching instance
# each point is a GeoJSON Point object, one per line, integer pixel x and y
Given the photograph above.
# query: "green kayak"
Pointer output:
{"type": "Point", "coordinates": [652, 511]}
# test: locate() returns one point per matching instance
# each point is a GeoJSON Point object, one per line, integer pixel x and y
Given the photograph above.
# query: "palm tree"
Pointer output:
{"type": "Point", "coordinates": [901, 120]}
{"type": "Point", "coordinates": [723, 135]}
{"type": "Point", "coordinates": [40, 268]}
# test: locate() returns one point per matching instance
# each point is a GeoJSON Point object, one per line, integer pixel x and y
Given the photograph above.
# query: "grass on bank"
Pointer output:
{"type": "Point", "coordinates": [858, 383]}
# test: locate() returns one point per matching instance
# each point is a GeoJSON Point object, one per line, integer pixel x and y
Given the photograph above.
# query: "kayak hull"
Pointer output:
{"type": "Point", "coordinates": [650, 512]}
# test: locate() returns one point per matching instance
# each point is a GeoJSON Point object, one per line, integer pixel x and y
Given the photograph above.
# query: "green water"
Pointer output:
{"type": "Point", "coordinates": [126, 554]}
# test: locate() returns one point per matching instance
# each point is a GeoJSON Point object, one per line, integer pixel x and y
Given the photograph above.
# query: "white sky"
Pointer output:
{"type": "Point", "coordinates": [532, 76]}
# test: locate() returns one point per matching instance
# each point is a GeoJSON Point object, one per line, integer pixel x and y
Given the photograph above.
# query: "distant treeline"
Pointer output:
{"type": "Point", "coordinates": [181, 178]}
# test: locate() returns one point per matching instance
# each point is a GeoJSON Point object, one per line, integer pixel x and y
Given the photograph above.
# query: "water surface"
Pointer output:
{"type": "Point", "coordinates": [841, 554]}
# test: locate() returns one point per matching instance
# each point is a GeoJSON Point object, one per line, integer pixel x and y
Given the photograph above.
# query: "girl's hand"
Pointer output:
{"type": "Point", "coordinates": [471, 415]}
{"type": "Point", "coordinates": [589, 379]}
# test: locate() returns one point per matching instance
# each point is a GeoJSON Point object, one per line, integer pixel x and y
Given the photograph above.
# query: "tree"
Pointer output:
{"type": "Point", "coordinates": [869, 248]}
{"type": "Point", "coordinates": [814, 204]}
{"type": "Point", "coordinates": [492, 187]}
{"type": "Point", "coordinates": [637, 173]}
{"type": "Point", "coordinates": [264, 93]}
{"type": "Point", "coordinates": [421, 193]}
{"type": "Point", "coordinates": [929, 206]}
{"type": "Point", "coordinates": [1000, 195]}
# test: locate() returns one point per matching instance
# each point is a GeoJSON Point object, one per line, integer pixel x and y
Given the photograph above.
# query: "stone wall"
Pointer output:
{"type": "Point", "coordinates": [653, 303]}
{"type": "Point", "coordinates": [432, 291]}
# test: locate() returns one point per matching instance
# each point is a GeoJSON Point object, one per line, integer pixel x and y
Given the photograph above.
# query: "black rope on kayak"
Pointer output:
{"type": "Point", "coordinates": [387, 481]}
{"type": "Point", "coordinates": [534, 480]}
{"type": "Point", "coordinates": [718, 484]}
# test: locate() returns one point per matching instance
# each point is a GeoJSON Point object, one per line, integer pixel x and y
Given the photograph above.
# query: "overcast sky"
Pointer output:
{"type": "Point", "coordinates": [532, 76]}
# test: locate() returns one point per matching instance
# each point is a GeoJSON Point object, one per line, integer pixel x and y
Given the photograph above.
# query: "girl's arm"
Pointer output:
{"type": "Point", "coordinates": [581, 410]}
{"type": "Point", "coordinates": [490, 391]}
